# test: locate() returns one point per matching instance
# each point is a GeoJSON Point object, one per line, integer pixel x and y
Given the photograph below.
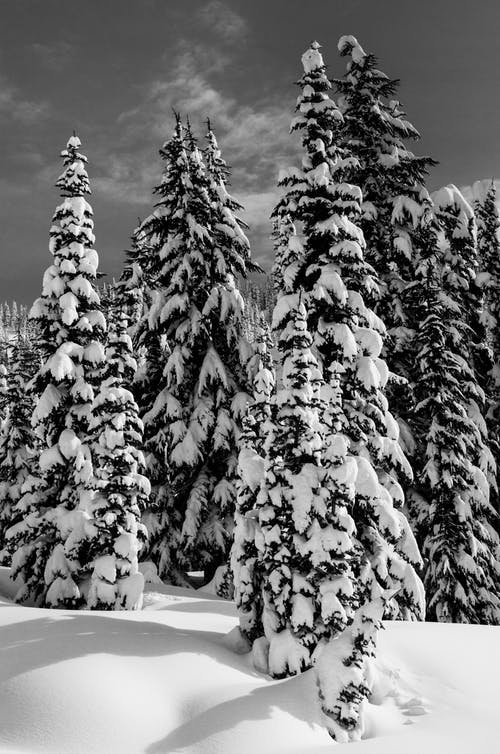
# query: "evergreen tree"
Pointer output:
{"type": "Point", "coordinates": [219, 174]}
{"type": "Point", "coordinates": [195, 380]}
{"type": "Point", "coordinates": [257, 427]}
{"type": "Point", "coordinates": [14, 316]}
{"type": "Point", "coordinates": [133, 288]}
{"type": "Point", "coordinates": [452, 515]}
{"type": "Point", "coordinates": [16, 443]}
{"type": "Point", "coordinates": [53, 557]}
{"type": "Point", "coordinates": [363, 459]}
{"type": "Point", "coordinates": [452, 512]}
{"type": "Point", "coordinates": [459, 281]}
{"type": "Point", "coordinates": [488, 246]}
{"type": "Point", "coordinates": [4, 396]}
{"type": "Point", "coordinates": [288, 253]}
{"type": "Point", "coordinates": [122, 487]}
{"type": "Point", "coordinates": [304, 543]}
{"type": "Point", "coordinates": [395, 201]}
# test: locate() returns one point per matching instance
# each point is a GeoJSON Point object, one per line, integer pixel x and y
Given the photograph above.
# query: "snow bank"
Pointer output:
{"type": "Point", "coordinates": [166, 680]}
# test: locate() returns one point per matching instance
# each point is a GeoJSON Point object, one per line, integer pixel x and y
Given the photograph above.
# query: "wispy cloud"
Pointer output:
{"type": "Point", "coordinates": [223, 21]}
{"type": "Point", "coordinates": [16, 107]}
{"type": "Point", "coordinates": [254, 136]}
{"type": "Point", "coordinates": [254, 139]}
{"type": "Point", "coordinates": [53, 56]}
{"type": "Point", "coordinates": [126, 179]}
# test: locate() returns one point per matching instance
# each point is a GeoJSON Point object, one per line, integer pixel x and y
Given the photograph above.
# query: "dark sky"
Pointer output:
{"type": "Point", "coordinates": [113, 69]}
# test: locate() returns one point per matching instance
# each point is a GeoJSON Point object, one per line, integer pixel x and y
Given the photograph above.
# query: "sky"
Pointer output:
{"type": "Point", "coordinates": [114, 69]}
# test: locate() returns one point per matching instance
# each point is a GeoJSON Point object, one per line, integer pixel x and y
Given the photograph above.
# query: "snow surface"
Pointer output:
{"type": "Point", "coordinates": [166, 679]}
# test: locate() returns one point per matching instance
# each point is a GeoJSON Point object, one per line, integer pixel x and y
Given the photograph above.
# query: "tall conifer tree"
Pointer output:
{"type": "Point", "coordinates": [52, 554]}
{"type": "Point", "coordinates": [395, 200]}
{"type": "Point", "coordinates": [452, 514]}
{"type": "Point", "coordinates": [362, 456]}
{"type": "Point", "coordinates": [488, 242]}
{"type": "Point", "coordinates": [195, 380]}
{"type": "Point", "coordinates": [460, 283]}
{"type": "Point", "coordinates": [257, 428]}
{"type": "Point", "coordinates": [122, 487]}
{"type": "Point", "coordinates": [17, 443]}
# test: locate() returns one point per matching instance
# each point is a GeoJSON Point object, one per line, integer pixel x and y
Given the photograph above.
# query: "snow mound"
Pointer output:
{"type": "Point", "coordinates": [170, 679]}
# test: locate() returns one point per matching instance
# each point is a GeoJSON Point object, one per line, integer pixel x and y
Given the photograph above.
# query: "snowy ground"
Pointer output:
{"type": "Point", "coordinates": [164, 680]}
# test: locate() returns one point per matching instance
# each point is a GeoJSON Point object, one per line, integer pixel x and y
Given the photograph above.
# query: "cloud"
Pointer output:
{"type": "Point", "coordinates": [14, 106]}
{"type": "Point", "coordinates": [223, 21]}
{"type": "Point", "coordinates": [253, 135]}
{"type": "Point", "coordinates": [126, 179]}
{"type": "Point", "coordinates": [54, 55]}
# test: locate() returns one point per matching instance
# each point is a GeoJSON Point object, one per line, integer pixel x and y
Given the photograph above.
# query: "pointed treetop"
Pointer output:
{"type": "Point", "coordinates": [73, 142]}
{"type": "Point", "coordinates": [312, 59]}
{"type": "Point", "coordinates": [178, 121]}
{"type": "Point", "coordinates": [74, 181]}
{"type": "Point", "coordinates": [190, 135]}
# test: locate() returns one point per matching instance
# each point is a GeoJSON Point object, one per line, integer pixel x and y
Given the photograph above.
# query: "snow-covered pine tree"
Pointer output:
{"type": "Point", "coordinates": [304, 545]}
{"type": "Point", "coordinates": [135, 283]}
{"type": "Point", "coordinates": [4, 398]}
{"type": "Point", "coordinates": [459, 281]}
{"type": "Point", "coordinates": [52, 541]}
{"type": "Point", "coordinates": [24, 328]}
{"type": "Point", "coordinates": [122, 487]}
{"type": "Point", "coordinates": [219, 174]}
{"type": "Point", "coordinates": [195, 381]}
{"type": "Point", "coordinates": [488, 246]}
{"type": "Point", "coordinates": [348, 337]}
{"type": "Point", "coordinates": [17, 442]}
{"type": "Point", "coordinates": [257, 427]}
{"type": "Point", "coordinates": [288, 253]}
{"type": "Point", "coordinates": [392, 180]}
{"type": "Point", "coordinates": [451, 512]}
{"type": "Point", "coordinates": [14, 316]}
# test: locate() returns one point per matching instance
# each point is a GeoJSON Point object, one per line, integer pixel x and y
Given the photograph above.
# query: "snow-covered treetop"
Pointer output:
{"type": "Point", "coordinates": [367, 93]}
{"type": "Point", "coordinates": [195, 211]}
{"type": "Point", "coordinates": [312, 59]}
{"type": "Point", "coordinates": [74, 181]}
{"type": "Point", "coordinates": [213, 156]}
{"type": "Point", "coordinates": [69, 308]}
{"type": "Point", "coordinates": [349, 45]}
{"type": "Point", "coordinates": [319, 121]}
{"type": "Point", "coordinates": [219, 172]}
{"type": "Point", "coordinates": [73, 142]}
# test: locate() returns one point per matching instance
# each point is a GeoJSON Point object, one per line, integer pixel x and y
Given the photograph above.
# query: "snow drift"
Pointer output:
{"type": "Point", "coordinates": [167, 679]}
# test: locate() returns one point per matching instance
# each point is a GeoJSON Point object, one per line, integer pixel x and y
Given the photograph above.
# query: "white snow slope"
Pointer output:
{"type": "Point", "coordinates": [166, 680]}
